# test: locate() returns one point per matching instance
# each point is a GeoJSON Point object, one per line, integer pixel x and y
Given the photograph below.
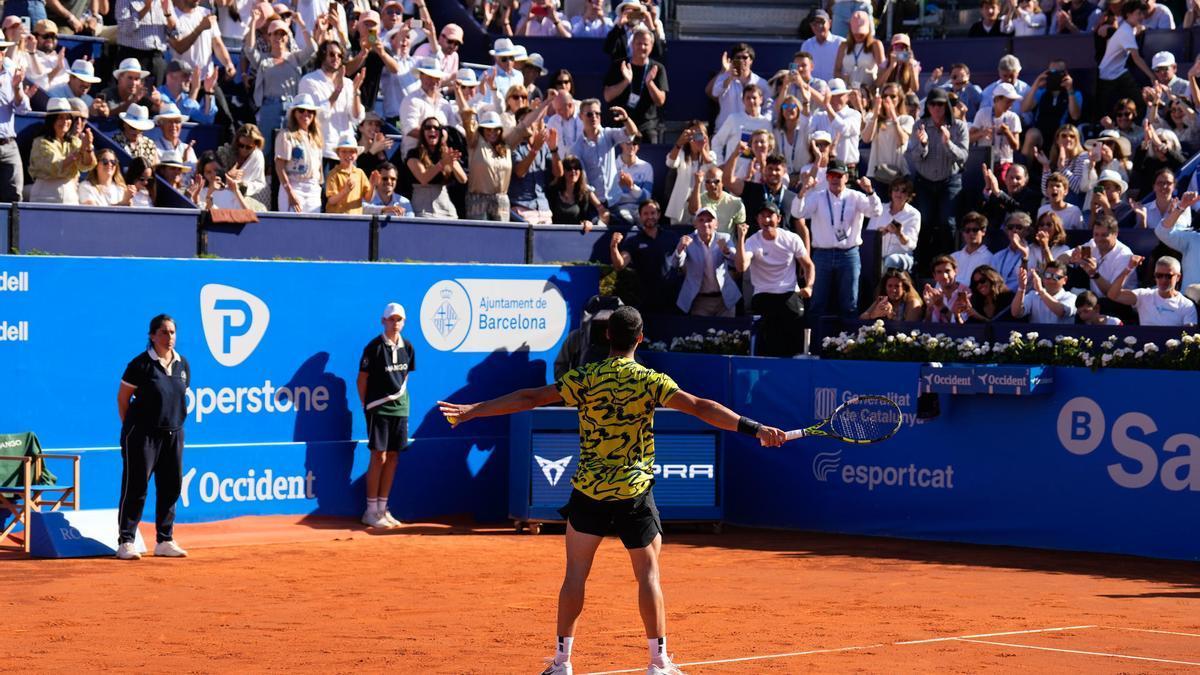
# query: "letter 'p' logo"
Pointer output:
{"type": "Point", "coordinates": [234, 322]}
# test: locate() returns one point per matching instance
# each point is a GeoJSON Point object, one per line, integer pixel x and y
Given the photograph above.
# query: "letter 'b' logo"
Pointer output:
{"type": "Point", "coordinates": [234, 322]}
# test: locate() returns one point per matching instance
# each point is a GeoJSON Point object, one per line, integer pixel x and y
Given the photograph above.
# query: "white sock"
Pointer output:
{"type": "Point", "coordinates": [562, 650]}
{"type": "Point", "coordinates": [373, 506]}
{"type": "Point", "coordinates": [658, 650]}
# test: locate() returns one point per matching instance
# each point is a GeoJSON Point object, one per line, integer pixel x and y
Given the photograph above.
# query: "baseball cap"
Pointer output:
{"type": "Point", "coordinates": [836, 166]}
{"type": "Point", "coordinates": [1162, 59]}
{"type": "Point", "coordinates": [820, 14]}
{"type": "Point", "coordinates": [392, 309]}
{"type": "Point", "coordinates": [768, 206]}
{"type": "Point", "coordinates": [1006, 90]}
{"type": "Point", "coordinates": [705, 209]}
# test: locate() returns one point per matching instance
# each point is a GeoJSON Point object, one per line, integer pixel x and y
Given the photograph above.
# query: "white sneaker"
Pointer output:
{"type": "Point", "coordinates": [667, 668]}
{"type": "Point", "coordinates": [169, 549]}
{"type": "Point", "coordinates": [368, 518]}
{"type": "Point", "coordinates": [127, 551]}
{"type": "Point", "coordinates": [393, 521]}
{"type": "Point", "coordinates": [379, 521]}
{"type": "Point", "coordinates": [553, 668]}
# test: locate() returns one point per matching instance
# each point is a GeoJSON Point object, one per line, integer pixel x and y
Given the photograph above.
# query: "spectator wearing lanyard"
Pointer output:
{"type": "Point", "coordinates": [771, 255]}
{"type": "Point", "coordinates": [936, 152]}
{"type": "Point", "coordinates": [860, 56]}
{"type": "Point", "coordinates": [12, 101]}
{"type": "Point", "coordinates": [771, 188]}
{"type": "Point", "coordinates": [1009, 260]}
{"type": "Point", "coordinates": [596, 148]}
{"type": "Point", "coordinates": [706, 260]}
{"type": "Point", "coordinates": [791, 136]}
{"type": "Point", "coordinates": [728, 85]}
{"type": "Point", "coordinates": [835, 220]}
{"type": "Point", "coordinates": [639, 86]}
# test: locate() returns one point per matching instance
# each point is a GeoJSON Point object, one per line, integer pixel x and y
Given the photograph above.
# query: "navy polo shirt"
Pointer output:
{"type": "Point", "coordinates": [159, 401]}
{"type": "Point", "coordinates": [387, 372]}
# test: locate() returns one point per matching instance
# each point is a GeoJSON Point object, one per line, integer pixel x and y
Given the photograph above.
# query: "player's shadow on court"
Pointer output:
{"type": "Point", "coordinates": [327, 435]}
{"type": "Point", "coordinates": [468, 465]}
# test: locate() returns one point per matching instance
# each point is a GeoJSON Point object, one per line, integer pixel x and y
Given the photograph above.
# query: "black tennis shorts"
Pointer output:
{"type": "Point", "coordinates": [387, 433]}
{"type": "Point", "coordinates": [635, 520]}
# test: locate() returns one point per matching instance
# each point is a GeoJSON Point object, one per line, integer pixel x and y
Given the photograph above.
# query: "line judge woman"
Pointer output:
{"type": "Point", "coordinates": [152, 407]}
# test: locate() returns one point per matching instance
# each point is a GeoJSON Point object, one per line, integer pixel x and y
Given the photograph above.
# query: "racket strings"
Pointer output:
{"type": "Point", "coordinates": [865, 420]}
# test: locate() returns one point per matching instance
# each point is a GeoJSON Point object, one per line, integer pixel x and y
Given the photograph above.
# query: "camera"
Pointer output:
{"type": "Point", "coordinates": [539, 10]}
{"type": "Point", "coordinates": [1054, 80]}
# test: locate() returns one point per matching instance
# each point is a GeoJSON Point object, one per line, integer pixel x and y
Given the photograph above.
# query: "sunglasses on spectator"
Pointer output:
{"type": "Point", "coordinates": [144, 179]}
{"type": "Point", "coordinates": [245, 146]}
{"type": "Point", "coordinates": [790, 106]}
{"type": "Point", "coordinates": [1164, 275]}
{"type": "Point", "coordinates": [504, 59]}
{"type": "Point", "coordinates": [1125, 114]}
{"type": "Point", "coordinates": [562, 82]}
{"type": "Point", "coordinates": [1052, 275]}
{"type": "Point", "coordinates": [395, 10]}
{"type": "Point", "coordinates": [108, 162]}
{"type": "Point", "coordinates": [451, 43]}
{"type": "Point", "coordinates": [519, 97]}
{"type": "Point", "coordinates": [591, 113]}
{"type": "Point", "coordinates": [48, 36]}
{"type": "Point", "coordinates": [1014, 226]}
{"type": "Point", "coordinates": [979, 282]}
{"type": "Point", "coordinates": [431, 127]}
{"type": "Point", "coordinates": [712, 181]}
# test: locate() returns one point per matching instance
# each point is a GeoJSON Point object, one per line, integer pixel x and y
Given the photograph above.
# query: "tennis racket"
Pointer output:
{"type": "Point", "coordinates": [861, 420]}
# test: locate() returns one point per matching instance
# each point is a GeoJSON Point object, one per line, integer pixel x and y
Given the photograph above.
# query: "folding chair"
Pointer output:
{"type": "Point", "coordinates": [21, 500]}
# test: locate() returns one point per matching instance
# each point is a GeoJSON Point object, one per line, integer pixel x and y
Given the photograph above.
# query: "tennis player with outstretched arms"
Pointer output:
{"type": "Point", "coordinates": [611, 492]}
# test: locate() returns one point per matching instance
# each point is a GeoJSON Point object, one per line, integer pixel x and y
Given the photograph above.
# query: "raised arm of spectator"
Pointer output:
{"type": "Point", "coordinates": [657, 96]}
{"type": "Point", "coordinates": [1116, 291]}
{"type": "Point", "coordinates": [185, 43]}
{"type": "Point", "coordinates": [622, 117]}
{"type": "Point", "coordinates": [735, 183]}
{"type": "Point", "coordinates": [620, 259]}
{"type": "Point", "coordinates": [612, 91]}
{"type": "Point", "coordinates": [693, 203]}
{"type": "Point", "coordinates": [741, 256]}
{"type": "Point", "coordinates": [222, 54]}
{"type": "Point", "coordinates": [726, 64]}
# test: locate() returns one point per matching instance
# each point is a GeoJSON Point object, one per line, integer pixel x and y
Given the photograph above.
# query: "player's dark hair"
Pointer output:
{"type": "Point", "coordinates": [624, 328]}
{"type": "Point", "coordinates": [159, 320]}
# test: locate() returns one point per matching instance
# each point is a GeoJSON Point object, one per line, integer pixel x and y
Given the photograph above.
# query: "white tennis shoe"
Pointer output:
{"type": "Point", "coordinates": [127, 551]}
{"type": "Point", "coordinates": [393, 521]}
{"type": "Point", "coordinates": [553, 668]}
{"type": "Point", "coordinates": [667, 668]}
{"type": "Point", "coordinates": [379, 521]}
{"type": "Point", "coordinates": [368, 518]}
{"type": "Point", "coordinates": [169, 549]}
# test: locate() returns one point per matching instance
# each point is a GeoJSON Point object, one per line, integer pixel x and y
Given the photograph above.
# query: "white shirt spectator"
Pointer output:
{"type": "Point", "coordinates": [1038, 312]}
{"type": "Point", "coordinates": [200, 54]}
{"type": "Point", "coordinates": [107, 195]}
{"type": "Point", "coordinates": [570, 129]}
{"type": "Point", "coordinates": [1026, 24]}
{"type": "Point", "coordinates": [180, 150]}
{"type": "Point", "coordinates": [46, 63]}
{"type": "Point", "coordinates": [1111, 264]}
{"type": "Point", "coordinates": [967, 262]}
{"type": "Point", "coordinates": [1155, 310]}
{"type": "Point", "coordinates": [910, 226]}
{"type": "Point", "coordinates": [1035, 255]}
{"type": "Point", "coordinates": [1070, 215]}
{"type": "Point", "coordinates": [395, 87]}
{"type": "Point", "coordinates": [1116, 51]}
{"type": "Point", "coordinates": [337, 118]}
{"type": "Point", "coordinates": [1161, 19]}
{"type": "Point", "coordinates": [234, 30]}
{"type": "Point", "coordinates": [725, 141]}
{"type": "Point", "coordinates": [642, 174]}
{"type": "Point", "coordinates": [773, 261]}
{"type": "Point", "coordinates": [1154, 217]}
{"type": "Point", "coordinates": [730, 101]}
{"type": "Point", "coordinates": [824, 55]}
{"type": "Point", "coordinates": [836, 221]}
{"type": "Point", "coordinates": [846, 127]}
{"type": "Point", "coordinates": [504, 81]}
{"type": "Point", "coordinates": [1002, 152]}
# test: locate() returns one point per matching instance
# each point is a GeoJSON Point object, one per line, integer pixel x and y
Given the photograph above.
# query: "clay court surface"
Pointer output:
{"type": "Point", "coordinates": [274, 594]}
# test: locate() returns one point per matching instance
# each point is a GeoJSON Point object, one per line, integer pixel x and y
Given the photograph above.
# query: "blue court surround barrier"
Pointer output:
{"type": "Point", "coordinates": [274, 349]}
{"type": "Point", "coordinates": [1091, 466]}
{"type": "Point", "coordinates": [402, 239]}
{"type": "Point", "coordinates": [87, 230]}
{"type": "Point", "coordinates": [292, 235]}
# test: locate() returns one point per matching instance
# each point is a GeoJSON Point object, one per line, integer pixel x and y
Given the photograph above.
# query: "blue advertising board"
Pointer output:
{"type": "Point", "coordinates": [274, 421]}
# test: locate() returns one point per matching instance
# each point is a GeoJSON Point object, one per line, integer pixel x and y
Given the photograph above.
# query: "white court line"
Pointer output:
{"type": "Point", "coordinates": [1147, 630]}
{"type": "Point", "coordinates": [983, 635]}
{"type": "Point", "coordinates": [1079, 651]}
{"type": "Point", "coordinates": [747, 658]}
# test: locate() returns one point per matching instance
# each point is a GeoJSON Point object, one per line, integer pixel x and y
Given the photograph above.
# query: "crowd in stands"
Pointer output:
{"type": "Point", "coordinates": [365, 107]}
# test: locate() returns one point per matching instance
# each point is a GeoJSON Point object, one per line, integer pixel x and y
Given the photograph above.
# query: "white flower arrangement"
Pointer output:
{"type": "Point", "coordinates": [712, 341]}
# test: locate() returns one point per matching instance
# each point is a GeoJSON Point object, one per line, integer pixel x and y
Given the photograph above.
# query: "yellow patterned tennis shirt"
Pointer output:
{"type": "Point", "coordinates": [616, 399]}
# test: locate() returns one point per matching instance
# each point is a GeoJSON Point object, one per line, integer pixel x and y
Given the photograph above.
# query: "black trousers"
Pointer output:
{"type": "Point", "coordinates": [782, 330]}
{"type": "Point", "coordinates": [145, 452]}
